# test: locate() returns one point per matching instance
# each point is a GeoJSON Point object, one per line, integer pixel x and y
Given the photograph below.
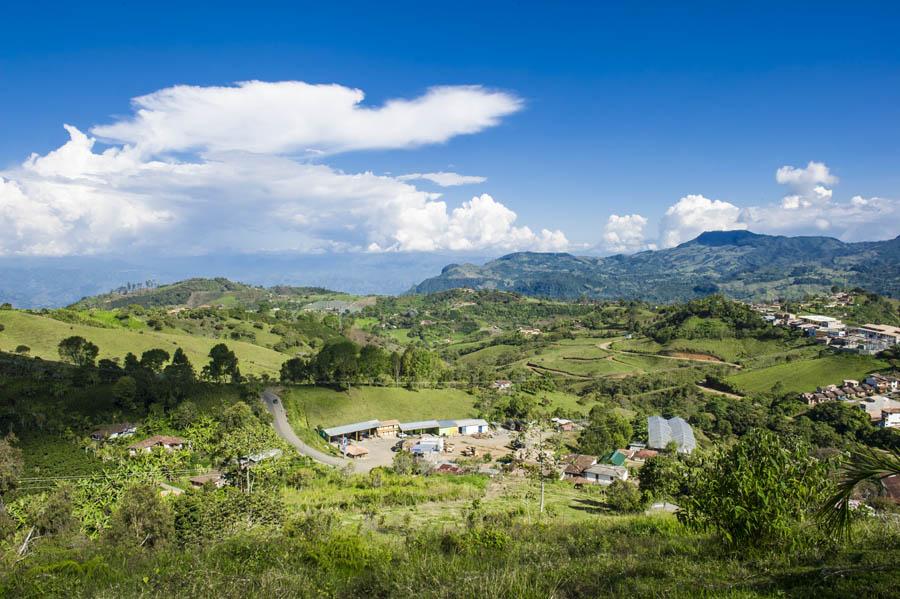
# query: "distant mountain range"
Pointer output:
{"type": "Point", "coordinates": [741, 264]}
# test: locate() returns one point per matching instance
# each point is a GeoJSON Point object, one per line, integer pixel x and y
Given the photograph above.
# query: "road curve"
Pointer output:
{"type": "Point", "coordinates": [284, 430]}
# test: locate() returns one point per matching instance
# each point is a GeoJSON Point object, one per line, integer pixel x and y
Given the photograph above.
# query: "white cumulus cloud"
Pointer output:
{"type": "Point", "coordinates": [201, 170]}
{"type": "Point", "coordinates": [624, 234]}
{"type": "Point", "coordinates": [287, 117]}
{"type": "Point", "coordinates": [694, 214]}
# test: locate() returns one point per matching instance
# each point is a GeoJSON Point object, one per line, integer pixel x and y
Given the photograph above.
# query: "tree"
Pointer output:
{"type": "Point", "coordinates": [756, 492]}
{"type": "Point", "coordinates": [605, 431]}
{"type": "Point", "coordinates": [624, 496]}
{"type": "Point", "coordinates": [57, 515]}
{"type": "Point", "coordinates": [337, 362]}
{"type": "Point", "coordinates": [11, 465]}
{"type": "Point", "coordinates": [222, 363]}
{"type": "Point", "coordinates": [125, 392]}
{"type": "Point", "coordinates": [78, 351]}
{"type": "Point", "coordinates": [153, 360]}
{"type": "Point", "coordinates": [295, 370]}
{"type": "Point", "coordinates": [141, 518]}
{"type": "Point", "coordinates": [180, 371]}
{"type": "Point", "coordinates": [662, 477]}
{"type": "Point", "coordinates": [22, 349]}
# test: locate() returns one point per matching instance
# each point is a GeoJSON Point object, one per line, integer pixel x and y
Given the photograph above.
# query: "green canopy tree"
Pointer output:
{"type": "Point", "coordinates": [78, 351]}
{"type": "Point", "coordinates": [605, 431]}
{"type": "Point", "coordinates": [756, 493]}
{"type": "Point", "coordinates": [222, 363]}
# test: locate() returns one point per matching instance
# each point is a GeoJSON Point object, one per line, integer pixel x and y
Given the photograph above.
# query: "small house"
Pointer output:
{"type": "Point", "coordinates": [617, 457]}
{"type": "Point", "coordinates": [167, 490]}
{"type": "Point", "coordinates": [890, 418]}
{"type": "Point", "coordinates": [448, 469]}
{"type": "Point", "coordinates": [213, 477]}
{"type": "Point", "coordinates": [166, 442]}
{"type": "Point", "coordinates": [605, 474]}
{"type": "Point", "coordinates": [501, 385]}
{"type": "Point", "coordinates": [356, 451]}
{"type": "Point", "coordinates": [114, 431]}
{"type": "Point", "coordinates": [576, 464]}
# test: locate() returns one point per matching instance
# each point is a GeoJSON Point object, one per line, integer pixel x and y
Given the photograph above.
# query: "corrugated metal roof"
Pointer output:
{"type": "Point", "coordinates": [420, 425]}
{"type": "Point", "coordinates": [336, 431]}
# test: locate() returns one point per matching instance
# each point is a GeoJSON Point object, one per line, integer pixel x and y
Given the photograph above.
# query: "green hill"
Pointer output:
{"type": "Point", "coordinates": [741, 264]}
{"type": "Point", "coordinates": [43, 334]}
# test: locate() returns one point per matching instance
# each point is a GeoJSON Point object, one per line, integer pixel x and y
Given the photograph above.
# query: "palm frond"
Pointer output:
{"type": "Point", "coordinates": [864, 464]}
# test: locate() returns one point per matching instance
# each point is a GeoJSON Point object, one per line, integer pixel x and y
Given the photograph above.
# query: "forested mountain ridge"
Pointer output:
{"type": "Point", "coordinates": [741, 264]}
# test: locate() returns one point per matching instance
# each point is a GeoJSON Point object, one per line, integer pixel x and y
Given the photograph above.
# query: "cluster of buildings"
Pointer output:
{"type": "Point", "coordinates": [866, 339]}
{"type": "Point", "coordinates": [872, 395]}
{"type": "Point", "coordinates": [394, 428]}
{"type": "Point", "coordinates": [662, 432]}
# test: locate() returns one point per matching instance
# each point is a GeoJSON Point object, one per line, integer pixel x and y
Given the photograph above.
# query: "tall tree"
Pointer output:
{"type": "Point", "coordinates": [605, 431]}
{"type": "Point", "coordinates": [78, 351]}
{"type": "Point", "coordinates": [222, 363]}
{"type": "Point", "coordinates": [153, 360]}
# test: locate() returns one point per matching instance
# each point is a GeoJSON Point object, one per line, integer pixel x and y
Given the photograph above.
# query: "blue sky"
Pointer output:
{"type": "Point", "coordinates": [627, 111]}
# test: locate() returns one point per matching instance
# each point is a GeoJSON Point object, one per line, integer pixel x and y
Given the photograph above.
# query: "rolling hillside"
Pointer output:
{"type": "Point", "coordinates": [42, 335]}
{"type": "Point", "coordinates": [741, 264]}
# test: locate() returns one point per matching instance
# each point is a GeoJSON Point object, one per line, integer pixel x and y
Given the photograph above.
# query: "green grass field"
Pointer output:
{"type": "Point", "coordinates": [43, 335]}
{"type": "Point", "coordinates": [728, 350]}
{"type": "Point", "coordinates": [309, 407]}
{"type": "Point", "coordinates": [805, 375]}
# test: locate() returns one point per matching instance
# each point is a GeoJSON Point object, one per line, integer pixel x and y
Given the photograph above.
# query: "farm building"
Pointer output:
{"type": "Point", "coordinates": [661, 432]}
{"type": "Point", "coordinates": [357, 431]}
{"type": "Point", "coordinates": [147, 445]}
{"type": "Point", "coordinates": [388, 428]}
{"type": "Point", "coordinates": [114, 431]}
{"type": "Point", "coordinates": [471, 426]}
{"type": "Point", "coordinates": [448, 428]}
{"type": "Point", "coordinates": [420, 428]}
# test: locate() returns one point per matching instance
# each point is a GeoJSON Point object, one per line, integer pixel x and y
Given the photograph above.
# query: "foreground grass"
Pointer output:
{"type": "Point", "coordinates": [42, 335]}
{"type": "Point", "coordinates": [492, 555]}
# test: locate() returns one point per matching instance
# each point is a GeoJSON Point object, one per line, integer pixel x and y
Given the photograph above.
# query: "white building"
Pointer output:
{"type": "Point", "coordinates": [890, 418]}
{"type": "Point", "coordinates": [605, 474]}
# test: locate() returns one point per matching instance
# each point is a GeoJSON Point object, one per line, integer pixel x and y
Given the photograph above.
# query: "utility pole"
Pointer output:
{"type": "Point", "coordinates": [541, 461]}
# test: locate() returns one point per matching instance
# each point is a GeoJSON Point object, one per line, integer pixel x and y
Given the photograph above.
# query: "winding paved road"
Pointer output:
{"type": "Point", "coordinates": [284, 430]}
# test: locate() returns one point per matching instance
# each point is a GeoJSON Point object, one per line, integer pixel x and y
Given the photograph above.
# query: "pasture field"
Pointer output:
{"type": "Point", "coordinates": [727, 350]}
{"type": "Point", "coordinates": [42, 335]}
{"type": "Point", "coordinates": [806, 374]}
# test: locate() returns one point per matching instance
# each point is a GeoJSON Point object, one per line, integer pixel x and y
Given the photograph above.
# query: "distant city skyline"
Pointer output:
{"type": "Point", "coordinates": [476, 129]}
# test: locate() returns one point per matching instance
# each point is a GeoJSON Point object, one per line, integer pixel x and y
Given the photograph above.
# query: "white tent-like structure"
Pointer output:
{"type": "Point", "coordinates": [661, 432]}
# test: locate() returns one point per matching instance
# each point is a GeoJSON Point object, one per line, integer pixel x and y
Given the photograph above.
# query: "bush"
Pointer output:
{"type": "Point", "coordinates": [623, 496]}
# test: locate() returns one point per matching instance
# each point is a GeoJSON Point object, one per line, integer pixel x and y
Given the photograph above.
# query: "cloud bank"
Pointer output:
{"type": "Point", "coordinates": [809, 206]}
{"type": "Point", "coordinates": [204, 169]}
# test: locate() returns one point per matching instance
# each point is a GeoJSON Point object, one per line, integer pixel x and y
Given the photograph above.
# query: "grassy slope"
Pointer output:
{"type": "Point", "coordinates": [43, 334]}
{"type": "Point", "coordinates": [806, 375]}
{"type": "Point", "coordinates": [309, 407]}
{"type": "Point", "coordinates": [729, 349]}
